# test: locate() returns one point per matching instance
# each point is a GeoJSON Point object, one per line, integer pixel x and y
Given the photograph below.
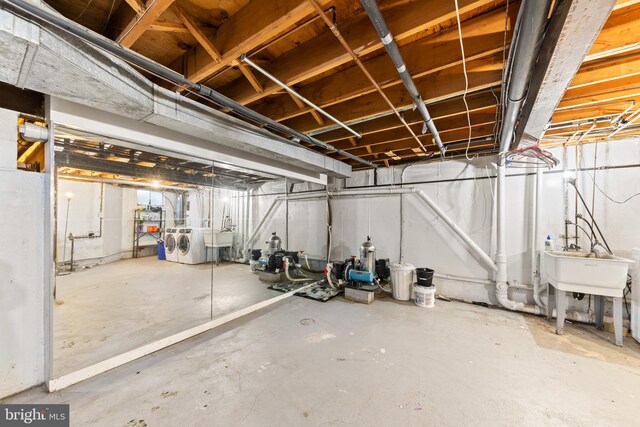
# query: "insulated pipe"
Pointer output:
{"type": "Point", "coordinates": [274, 79]}
{"type": "Point", "coordinates": [390, 45]}
{"type": "Point", "coordinates": [523, 53]}
{"type": "Point", "coordinates": [167, 74]}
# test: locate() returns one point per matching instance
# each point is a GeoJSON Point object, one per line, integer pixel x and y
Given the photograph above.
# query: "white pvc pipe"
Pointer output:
{"type": "Point", "coordinates": [461, 234]}
{"type": "Point", "coordinates": [535, 239]}
{"type": "Point", "coordinates": [274, 205]}
{"type": "Point", "coordinates": [387, 192]}
{"type": "Point", "coordinates": [32, 132]}
{"type": "Point", "coordinates": [502, 287]}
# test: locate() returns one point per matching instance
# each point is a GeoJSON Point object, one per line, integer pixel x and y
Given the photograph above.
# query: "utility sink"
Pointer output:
{"type": "Point", "coordinates": [584, 272]}
{"type": "Point", "coordinates": [219, 239]}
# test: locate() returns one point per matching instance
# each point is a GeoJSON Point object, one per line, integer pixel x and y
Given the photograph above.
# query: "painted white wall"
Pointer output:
{"type": "Point", "coordinates": [119, 203]}
{"type": "Point", "coordinates": [464, 191]}
{"type": "Point", "coordinates": [22, 275]}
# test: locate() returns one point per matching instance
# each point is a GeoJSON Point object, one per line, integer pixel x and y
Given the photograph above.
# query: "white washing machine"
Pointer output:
{"type": "Point", "coordinates": [171, 244]}
{"type": "Point", "coordinates": [191, 249]}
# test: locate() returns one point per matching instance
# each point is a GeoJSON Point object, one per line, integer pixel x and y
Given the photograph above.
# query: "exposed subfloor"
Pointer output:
{"type": "Point", "coordinates": [301, 362]}
{"type": "Point", "coordinates": [117, 307]}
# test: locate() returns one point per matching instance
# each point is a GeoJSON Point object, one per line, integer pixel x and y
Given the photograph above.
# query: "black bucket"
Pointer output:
{"type": "Point", "coordinates": [424, 277]}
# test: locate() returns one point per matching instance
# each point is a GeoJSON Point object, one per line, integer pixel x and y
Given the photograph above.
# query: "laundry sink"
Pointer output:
{"type": "Point", "coordinates": [585, 272]}
{"type": "Point", "coordinates": [219, 239]}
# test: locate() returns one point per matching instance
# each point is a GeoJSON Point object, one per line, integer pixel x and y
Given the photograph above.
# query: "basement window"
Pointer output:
{"type": "Point", "coordinates": [150, 198]}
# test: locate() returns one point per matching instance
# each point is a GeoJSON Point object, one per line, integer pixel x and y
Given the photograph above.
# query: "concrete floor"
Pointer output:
{"type": "Point", "coordinates": [301, 362]}
{"type": "Point", "coordinates": [116, 307]}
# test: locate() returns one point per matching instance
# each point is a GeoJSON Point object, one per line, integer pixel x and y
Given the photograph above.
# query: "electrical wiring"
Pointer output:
{"type": "Point", "coordinates": [598, 187]}
{"type": "Point", "coordinates": [466, 83]}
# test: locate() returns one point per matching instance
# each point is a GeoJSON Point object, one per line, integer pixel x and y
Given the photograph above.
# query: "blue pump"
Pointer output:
{"type": "Point", "coordinates": [361, 276]}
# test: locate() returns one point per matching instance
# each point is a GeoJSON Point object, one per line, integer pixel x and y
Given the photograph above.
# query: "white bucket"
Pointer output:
{"type": "Point", "coordinates": [425, 296]}
{"type": "Point", "coordinates": [401, 281]}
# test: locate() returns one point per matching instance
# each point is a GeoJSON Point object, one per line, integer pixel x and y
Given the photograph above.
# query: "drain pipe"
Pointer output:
{"type": "Point", "coordinates": [535, 239]}
{"type": "Point", "coordinates": [530, 26]}
{"type": "Point", "coordinates": [502, 286]}
{"type": "Point", "coordinates": [390, 45]}
{"type": "Point", "coordinates": [169, 75]}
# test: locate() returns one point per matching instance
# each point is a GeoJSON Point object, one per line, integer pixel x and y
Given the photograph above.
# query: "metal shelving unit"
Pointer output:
{"type": "Point", "coordinates": [141, 222]}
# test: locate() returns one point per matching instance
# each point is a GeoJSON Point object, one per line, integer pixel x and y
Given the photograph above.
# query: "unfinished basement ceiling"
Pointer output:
{"type": "Point", "coordinates": [204, 40]}
{"type": "Point", "coordinates": [87, 156]}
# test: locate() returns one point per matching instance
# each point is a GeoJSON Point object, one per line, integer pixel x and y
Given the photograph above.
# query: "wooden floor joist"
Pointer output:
{"type": "Point", "coordinates": [204, 41]}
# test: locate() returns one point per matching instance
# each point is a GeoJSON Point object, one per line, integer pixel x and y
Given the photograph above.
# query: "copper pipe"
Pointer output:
{"type": "Point", "coordinates": [334, 29]}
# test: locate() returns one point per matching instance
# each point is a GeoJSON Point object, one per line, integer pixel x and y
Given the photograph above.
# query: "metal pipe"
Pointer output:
{"type": "Point", "coordinates": [274, 79]}
{"type": "Point", "coordinates": [334, 29]}
{"type": "Point", "coordinates": [390, 45]}
{"type": "Point", "coordinates": [167, 74]}
{"type": "Point", "coordinates": [529, 32]}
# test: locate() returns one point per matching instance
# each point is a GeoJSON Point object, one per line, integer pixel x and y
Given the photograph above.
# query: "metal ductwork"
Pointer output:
{"type": "Point", "coordinates": [166, 74]}
{"type": "Point", "coordinates": [528, 35]}
{"type": "Point", "coordinates": [390, 45]}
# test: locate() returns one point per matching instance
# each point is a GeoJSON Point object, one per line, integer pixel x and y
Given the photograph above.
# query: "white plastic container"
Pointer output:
{"type": "Point", "coordinates": [402, 281]}
{"type": "Point", "coordinates": [425, 296]}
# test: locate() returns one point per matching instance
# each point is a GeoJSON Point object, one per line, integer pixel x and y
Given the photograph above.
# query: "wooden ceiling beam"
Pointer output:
{"type": "Point", "coordinates": [484, 36]}
{"type": "Point", "coordinates": [592, 112]}
{"type": "Point", "coordinates": [606, 70]}
{"type": "Point", "coordinates": [140, 23]}
{"type": "Point", "coordinates": [137, 6]}
{"type": "Point", "coordinates": [316, 116]}
{"type": "Point", "coordinates": [619, 34]}
{"type": "Point", "coordinates": [409, 144]}
{"type": "Point", "coordinates": [169, 27]}
{"type": "Point", "coordinates": [482, 73]}
{"type": "Point", "coordinates": [448, 108]}
{"type": "Point", "coordinates": [196, 32]}
{"type": "Point", "coordinates": [444, 126]}
{"type": "Point", "coordinates": [258, 22]}
{"type": "Point", "coordinates": [248, 74]}
{"type": "Point", "coordinates": [605, 92]}
{"type": "Point", "coordinates": [323, 53]}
